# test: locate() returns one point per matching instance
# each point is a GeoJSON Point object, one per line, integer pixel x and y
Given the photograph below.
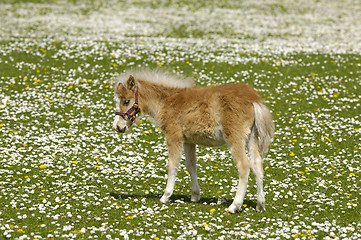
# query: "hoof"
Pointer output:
{"type": "Point", "coordinates": [195, 198]}
{"type": "Point", "coordinates": [164, 200]}
{"type": "Point", "coordinates": [231, 209]}
{"type": "Point", "coordinates": [260, 208]}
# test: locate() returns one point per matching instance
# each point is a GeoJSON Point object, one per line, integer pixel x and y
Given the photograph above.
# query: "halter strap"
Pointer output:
{"type": "Point", "coordinates": [133, 111]}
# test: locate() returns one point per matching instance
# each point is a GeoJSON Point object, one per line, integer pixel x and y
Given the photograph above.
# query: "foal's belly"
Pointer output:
{"type": "Point", "coordinates": [211, 138]}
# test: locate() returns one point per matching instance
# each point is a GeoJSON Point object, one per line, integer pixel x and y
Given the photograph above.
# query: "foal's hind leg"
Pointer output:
{"type": "Point", "coordinates": [242, 163]}
{"type": "Point", "coordinates": [257, 168]}
{"type": "Point", "coordinates": [191, 164]}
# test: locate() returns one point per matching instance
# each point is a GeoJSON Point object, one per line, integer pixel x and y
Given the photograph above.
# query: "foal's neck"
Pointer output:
{"type": "Point", "coordinates": [152, 97]}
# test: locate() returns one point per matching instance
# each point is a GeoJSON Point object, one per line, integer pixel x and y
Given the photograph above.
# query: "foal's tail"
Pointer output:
{"type": "Point", "coordinates": [263, 128]}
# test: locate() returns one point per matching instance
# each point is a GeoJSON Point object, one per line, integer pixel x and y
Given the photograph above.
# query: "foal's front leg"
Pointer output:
{"type": "Point", "coordinates": [174, 151]}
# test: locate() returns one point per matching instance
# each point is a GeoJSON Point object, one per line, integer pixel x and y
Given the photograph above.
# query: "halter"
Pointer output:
{"type": "Point", "coordinates": [132, 112]}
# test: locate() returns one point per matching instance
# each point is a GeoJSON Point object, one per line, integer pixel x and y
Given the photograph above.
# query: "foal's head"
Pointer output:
{"type": "Point", "coordinates": [126, 100]}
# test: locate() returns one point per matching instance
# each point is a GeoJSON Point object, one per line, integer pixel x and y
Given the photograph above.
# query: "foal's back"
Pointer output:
{"type": "Point", "coordinates": [238, 93]}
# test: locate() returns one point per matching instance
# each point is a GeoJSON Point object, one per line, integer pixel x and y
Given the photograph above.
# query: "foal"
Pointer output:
{"type": "Point", "coordinates": [189, 115]}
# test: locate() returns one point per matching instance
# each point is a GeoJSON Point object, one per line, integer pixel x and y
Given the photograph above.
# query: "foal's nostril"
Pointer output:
{"type": "Point", "coordinates": [121, 130]}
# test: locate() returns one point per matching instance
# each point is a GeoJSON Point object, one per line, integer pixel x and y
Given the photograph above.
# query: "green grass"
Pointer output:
{"type": "Point", "coordinates": [65, 173]}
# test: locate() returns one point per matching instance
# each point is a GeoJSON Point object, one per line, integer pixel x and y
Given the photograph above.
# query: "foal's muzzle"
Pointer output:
{"type": "Point", "coordinates": [121, 130]}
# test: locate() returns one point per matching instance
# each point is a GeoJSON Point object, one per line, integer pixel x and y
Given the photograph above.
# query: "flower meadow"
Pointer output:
{"type": "Point", "coordinates": [65, 174]}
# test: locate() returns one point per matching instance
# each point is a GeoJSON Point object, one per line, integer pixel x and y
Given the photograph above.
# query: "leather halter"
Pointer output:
{"type": "Point", "coordinates": [133, 111]}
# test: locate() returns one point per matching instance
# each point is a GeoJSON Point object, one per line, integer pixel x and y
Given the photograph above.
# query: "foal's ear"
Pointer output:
{"type": "Point", "coordinates": [131, 83]}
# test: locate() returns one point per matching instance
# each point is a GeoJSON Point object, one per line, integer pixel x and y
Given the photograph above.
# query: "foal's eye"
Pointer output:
{"type": "Point", "coordinates": [126, 102]}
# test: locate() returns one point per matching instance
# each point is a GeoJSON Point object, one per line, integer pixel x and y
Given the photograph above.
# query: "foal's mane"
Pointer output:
{"type": "Point", "coordinates": [160, 77]}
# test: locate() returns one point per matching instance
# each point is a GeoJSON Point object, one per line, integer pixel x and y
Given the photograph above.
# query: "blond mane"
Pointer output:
{"type": "Point", "coordinates": [160, 77]}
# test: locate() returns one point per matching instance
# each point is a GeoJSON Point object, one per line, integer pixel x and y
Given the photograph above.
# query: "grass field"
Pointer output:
{"type": "Point", "coordinates": [65, 174]}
